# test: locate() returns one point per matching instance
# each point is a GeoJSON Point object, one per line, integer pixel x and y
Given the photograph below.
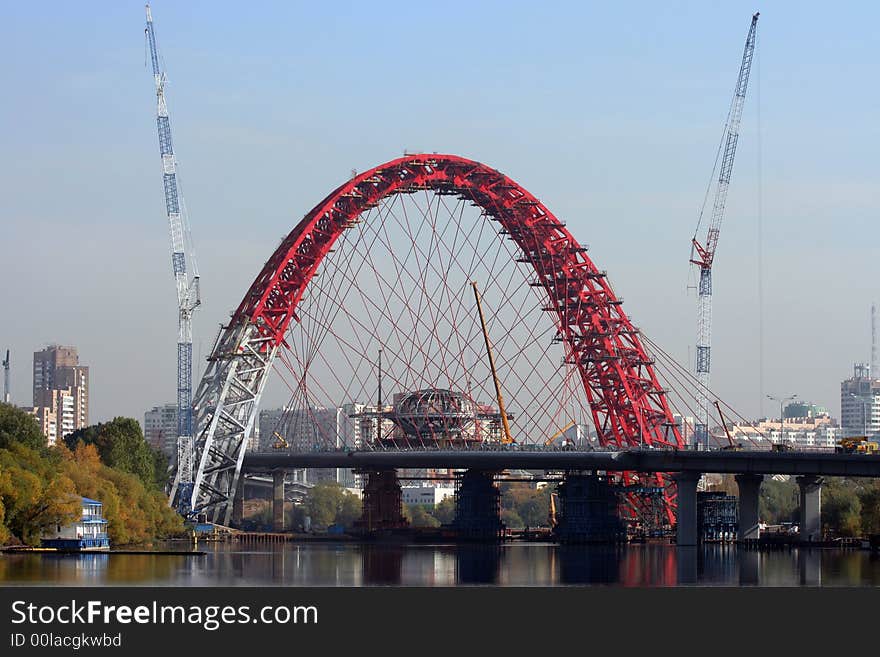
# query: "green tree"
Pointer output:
{"type": "Point", "coordinates": [329, 503]}
{"type": "Point", "coordinates": [349, 511]}
{"type": "Point", "coordinates": [778, 501]}
{"type": "Point", "coordinates": [870, 500]}
{"type": "Point", "coordinates": [19, 427]}
{"type": "Point", "coordinates": [511, 519]}
{"type": "Point", "coordinates": [120, 444]}
{"type": "Point", "coordinates": [530, 505]}
{"type": "Point", "coordinates": [841, 508]}
{"type": "Point", "coordinates": [421, 516]}
{"type": "Point", "coordinates": [160, 468]}
{"type": "Point", "coordinates": [445, 510]}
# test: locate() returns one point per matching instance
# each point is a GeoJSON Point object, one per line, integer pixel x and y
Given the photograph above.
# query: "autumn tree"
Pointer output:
{"type": "Point", "coordinates": [120, 444]}
{"type": "Point", "coordinates": [34, 495]}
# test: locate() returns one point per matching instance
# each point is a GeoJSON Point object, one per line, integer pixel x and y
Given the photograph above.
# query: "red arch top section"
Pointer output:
{"type": "Point", "coordinates": [628, 405]}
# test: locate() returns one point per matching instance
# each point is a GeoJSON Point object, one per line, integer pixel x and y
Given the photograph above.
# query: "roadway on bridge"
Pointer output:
{"type": "Point", "coordinates": [639, 460]}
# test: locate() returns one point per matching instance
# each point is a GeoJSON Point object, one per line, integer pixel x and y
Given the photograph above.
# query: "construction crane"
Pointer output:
{"type": "Point", "coordinates": [7, 396]}
{"type": "Point", "coordinates": [280, 441]}
{"type": "Point", "coordinates": [703, 254]}
{"type": "Point", "coordinates": [507, 439]}
{"type": "Point", "coordinates": [552, 439]}
{"type": "Point", "coordinates": [186, 280]}
{"type": "Point", "coordinates": [730, 444]}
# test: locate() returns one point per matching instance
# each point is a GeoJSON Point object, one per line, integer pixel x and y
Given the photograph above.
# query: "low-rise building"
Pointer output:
{"type": "Point", "coordinates": [810, 432]}
{"type": "Point", "coordinates": [425, 495]}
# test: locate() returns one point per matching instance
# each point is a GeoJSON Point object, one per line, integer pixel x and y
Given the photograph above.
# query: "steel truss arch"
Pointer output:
{"type": "Point", "coordinates": [628, 405]}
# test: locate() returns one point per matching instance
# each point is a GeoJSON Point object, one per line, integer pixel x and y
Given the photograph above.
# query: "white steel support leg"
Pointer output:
{"type": "Point", "coordinates": [226, 404]}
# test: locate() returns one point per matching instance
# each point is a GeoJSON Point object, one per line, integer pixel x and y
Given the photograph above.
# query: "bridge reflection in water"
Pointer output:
{"type": "Point", "coordinates": [526, 564]}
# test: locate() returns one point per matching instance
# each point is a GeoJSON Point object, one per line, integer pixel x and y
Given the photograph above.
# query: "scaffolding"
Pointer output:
{"type": "Point", "coordinates": [382, 508]}
{"type": "Point", "coordinates": [478, 507]}
{"type": "Point", "coordinates": [589, 510]}
{"type": "Point", "coordinates": [717, 516]}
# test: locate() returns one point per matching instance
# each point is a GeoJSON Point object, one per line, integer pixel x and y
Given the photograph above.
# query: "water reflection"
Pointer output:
{"type": "Point", "coordinates": [348, 564]}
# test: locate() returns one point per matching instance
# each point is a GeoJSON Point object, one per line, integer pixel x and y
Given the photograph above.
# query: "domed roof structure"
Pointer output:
{"type": "Point", "coordinates": [436, 414]}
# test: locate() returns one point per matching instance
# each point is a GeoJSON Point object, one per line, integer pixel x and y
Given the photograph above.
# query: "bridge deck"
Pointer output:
{"type": "Point", "coordinates": [787, 463]}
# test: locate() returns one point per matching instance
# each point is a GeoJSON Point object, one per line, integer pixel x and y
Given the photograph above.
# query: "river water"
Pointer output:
{"type": "Point", "coordinates": [512, 564]}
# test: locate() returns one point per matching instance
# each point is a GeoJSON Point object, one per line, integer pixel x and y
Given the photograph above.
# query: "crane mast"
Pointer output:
{"type": "Point", "coordinates": [7, 395]}
{"type": "Point", "coordinates": [187, 283]}
{"type": "Point", "coordinates": [703, 254]}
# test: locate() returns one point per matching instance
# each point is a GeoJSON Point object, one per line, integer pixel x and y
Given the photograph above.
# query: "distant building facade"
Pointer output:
{"type": "Point", "coordinates": [160, 429]}
{"type": "Point", "coordinates": [860, 403]}
{"type": "Point", "coordinates": [48, 421]}
{"type": "Point", "coordinates": [799, 409]}
{"type": "Point", "coordinates": [817, 432]}
{"type": "Point", "coordinates": [425, 495]}
{"type": "Point", "coordinates": [61, 392]}
{"type": "Point", "coordinates": [303, 430]}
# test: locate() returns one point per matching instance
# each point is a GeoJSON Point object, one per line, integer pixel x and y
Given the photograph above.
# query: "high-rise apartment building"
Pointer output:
{"type": "Point", "coordinates": [860, 403]}
{"type": "Point", "coordinates": [57, 368]}
{"type": "Point", "coordinates": [160, 429]}
{"type": "Point", "coordinates": [48, 421]}
{"type": "Point", "coordinates": [61, 392]}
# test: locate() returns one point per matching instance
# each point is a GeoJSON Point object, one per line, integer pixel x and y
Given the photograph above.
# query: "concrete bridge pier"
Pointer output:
{"type": "Point", "coordinates": [749, 498]}
{"type": "Point", "coordinates": [686, 530]}
{"type": "Point", "coordinates": [383, 506]}
{"type": "Point", "coordinates": [278, 500]}
{"type": "Point", "coordinates": [238, 503]}
{"type": "Point", "coordinates": [810, 487]}
{"type": "Point", "coordinates": [478, 506]}
{"type": "Point", "coordinates": [589, 510]}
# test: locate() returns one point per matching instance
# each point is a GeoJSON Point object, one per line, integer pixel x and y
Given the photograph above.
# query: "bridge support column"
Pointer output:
{"type": "Point", "coordinates": [749, 498]}
{"type": "Point", "coordinates": [278, 500]}
{"type": "Point", "coordinates": [589, 510]}
{"type": "Point", "coordinates": [238, 503]}
{"type": "Point", "coordinates": [810, 487]}
{"type": "Point", "coordinates": [478, 506]}
{"type": "Point", "coordinates": [686, 532]}
{"type": "Point", "coordinates": [382, 509]}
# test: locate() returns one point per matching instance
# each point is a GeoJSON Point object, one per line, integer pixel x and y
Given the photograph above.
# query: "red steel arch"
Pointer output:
{"type": "Point", "coordinates": [629, 407]}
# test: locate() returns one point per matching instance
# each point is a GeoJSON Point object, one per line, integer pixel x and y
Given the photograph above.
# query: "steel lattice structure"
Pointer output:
{"type": "Point", "coordinates": [703, 255]}
{"type": "Point", "coordinates": [628, 405]}
{"type": "Point", "coordinates": [186, 282]}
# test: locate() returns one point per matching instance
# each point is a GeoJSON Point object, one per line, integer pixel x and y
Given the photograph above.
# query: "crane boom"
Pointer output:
{"type": "Point", "coordinates": [508, 438]}
{"type": "Point", "coordinates": [703, 254]}
{"type": "Point", "coordinates": [186, 282]}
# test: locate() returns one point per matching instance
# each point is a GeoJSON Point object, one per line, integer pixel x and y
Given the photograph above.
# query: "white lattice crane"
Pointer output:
{"type": "Point", "coordinates": [703, 254]}
{"type": "Point", "coordinates": [186, 276]}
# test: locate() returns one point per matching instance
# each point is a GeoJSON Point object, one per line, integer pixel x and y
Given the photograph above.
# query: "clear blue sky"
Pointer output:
{"type": "Point", "coordinates": [609, 112]}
